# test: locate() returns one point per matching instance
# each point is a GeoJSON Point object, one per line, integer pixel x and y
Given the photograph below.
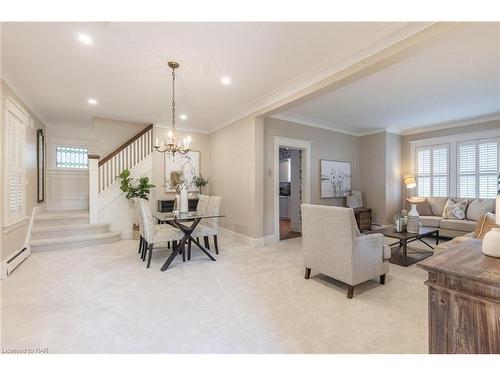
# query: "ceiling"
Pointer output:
{"type": "Point", "coordinates": [125, 70]}
{"type": "Point", "coordinates": [449, 78]}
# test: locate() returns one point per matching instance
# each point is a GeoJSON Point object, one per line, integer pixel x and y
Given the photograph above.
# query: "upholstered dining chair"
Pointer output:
{"type": "Point", "coordinates": [208, 227]}
{"type": "Point", "coordinates": [142, 242]}
{"type": "Point", "coordinates": [332, 245]}
{"type": "Point", "coordinates": [156, 233]}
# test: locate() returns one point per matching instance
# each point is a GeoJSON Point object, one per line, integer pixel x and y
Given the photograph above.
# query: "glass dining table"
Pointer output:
{"type": "Point", "coordinates": [187, 223]}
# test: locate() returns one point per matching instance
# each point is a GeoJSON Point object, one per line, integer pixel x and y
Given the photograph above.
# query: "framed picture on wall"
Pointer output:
{"type": "Point", "coordinates": [189, 165]}
{"type": "Point", "coordinates": [40, 165]}
{"type": "Point", "coordinates": [335, 178]}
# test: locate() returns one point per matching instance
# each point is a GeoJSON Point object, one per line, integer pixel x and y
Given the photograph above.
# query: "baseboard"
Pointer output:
{"type": "Point", "coordinates": [8, 265]}
{"type": "Point", "coordinates": [271, 239]}
{"type": "Point", "coordinates": [250, 241]}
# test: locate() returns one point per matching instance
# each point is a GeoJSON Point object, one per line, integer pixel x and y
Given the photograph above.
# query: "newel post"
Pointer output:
{"type": "Point", "coordinates": [93, 188]}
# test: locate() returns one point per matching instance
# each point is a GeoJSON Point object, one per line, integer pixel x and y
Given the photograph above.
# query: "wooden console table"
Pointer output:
{"type": "Point", "coordinates": [464, 300]}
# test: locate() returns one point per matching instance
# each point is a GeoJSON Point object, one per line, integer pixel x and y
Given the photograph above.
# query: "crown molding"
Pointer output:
{"type": "Point", "coordinates": [327, 125]}
{"type": "Point", "coordinates": [323, 71]}
{"type": "Point", "coordinates": [188, 130]}
{"type": "Point", "coordinates": [308, 121]}
{"type": "Point", "coordinates": [451, 124]}
{"type": "Point", "coordinates": [25, 98]}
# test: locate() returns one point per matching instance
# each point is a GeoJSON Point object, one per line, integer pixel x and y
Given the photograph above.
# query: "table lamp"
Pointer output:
{"type": "Point", "coordinates": [410, 183]}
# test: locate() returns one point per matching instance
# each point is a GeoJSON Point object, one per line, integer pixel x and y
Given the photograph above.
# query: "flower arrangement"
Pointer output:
{"type": "Point", "coordinates": [200, 182]}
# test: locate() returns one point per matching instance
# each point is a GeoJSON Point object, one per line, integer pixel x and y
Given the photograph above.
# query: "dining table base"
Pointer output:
{"type": "Point", "coordinates": [187, 230]}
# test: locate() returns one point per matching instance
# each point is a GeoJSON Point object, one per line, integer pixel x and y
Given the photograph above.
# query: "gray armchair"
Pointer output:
{"type": "Point", "coordinates": [333, 246]}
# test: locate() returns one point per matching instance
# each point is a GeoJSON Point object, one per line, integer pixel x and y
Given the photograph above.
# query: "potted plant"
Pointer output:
{"type": "Point", "coordinates": [135, 189]}
{"type": "Point", "coordinates": [200, 182]}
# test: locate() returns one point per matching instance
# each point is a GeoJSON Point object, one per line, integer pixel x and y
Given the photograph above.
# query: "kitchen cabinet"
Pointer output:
{"type": "Point", "coordinates": [285, 170]}
{"type": "Point", "coordinates": [284, 207]}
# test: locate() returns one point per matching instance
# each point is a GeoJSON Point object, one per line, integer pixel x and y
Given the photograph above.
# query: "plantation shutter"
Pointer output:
{"type": "Point", "coordinates": [477, 169]}
{"type": "Point", "coordinates": [432, 171]}
{"type": "Point", "coordinates": [488, 167]}
{"type": "Point", "coordinates": [15, 167]}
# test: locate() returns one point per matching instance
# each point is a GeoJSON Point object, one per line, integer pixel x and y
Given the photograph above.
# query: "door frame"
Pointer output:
{"type": "Point", "coordinates": [305, 147]}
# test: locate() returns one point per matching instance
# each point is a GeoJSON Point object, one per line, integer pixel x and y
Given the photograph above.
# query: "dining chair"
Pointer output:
{"type": "Point", "coordinates": [208, 227]}
{"type": "Point", "coordinates": [201, 209]}
{"type": "Point", "coordinates": [142, 241]}
{"type": "Point", "coordinates": [156, 233]}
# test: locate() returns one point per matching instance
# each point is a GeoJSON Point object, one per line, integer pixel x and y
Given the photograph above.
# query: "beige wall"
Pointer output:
{"type": "Point", "coordinates": [236, 175]}
{"type": "Point", "coordinates": [393, 176]}
{"type": "Point", "coordinates": [380, 166]}
{"type": "Point", "coordinates": [14, 240]}
{"type": "Point", "coordinates": [110, 134]}
{"type": "Point", "coordinates": [372, 157]}
{"type": "Point", "coordinates": [326, 144]}
{"type": "Point", "coordinates": [199, 142]}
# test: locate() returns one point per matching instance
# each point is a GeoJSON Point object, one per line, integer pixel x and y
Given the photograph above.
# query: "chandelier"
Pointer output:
{"type": "Point", "coordinates": [170, 145]}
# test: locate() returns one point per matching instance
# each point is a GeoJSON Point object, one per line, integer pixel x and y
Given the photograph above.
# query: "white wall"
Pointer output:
{"type": "Point", "coordinates": [67, 189]}
{"type": "Point", "coordinates": [13, 240]}
{"type": "Point", "coordinates": [115, 209]}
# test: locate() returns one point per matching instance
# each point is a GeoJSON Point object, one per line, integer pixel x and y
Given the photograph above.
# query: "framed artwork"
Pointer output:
{"type": "Point", "coordinates": [335, 178]}
{"type": "Point", "coordinates": [189, 165]}
{"type": "Point", "coordinates": [40, 165]}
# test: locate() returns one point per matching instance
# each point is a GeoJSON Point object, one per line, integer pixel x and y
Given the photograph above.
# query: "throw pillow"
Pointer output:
{"type": "Point", "coordinates": [455, 210]}
{"type": "Point", "coordinates": [479, 208]}
{"type": "Point", "coordinates": [484, 225]}
{"type": "Point", "coordinates": [437, 205]}
{"type": "Point", "coordinates": [423, 207]}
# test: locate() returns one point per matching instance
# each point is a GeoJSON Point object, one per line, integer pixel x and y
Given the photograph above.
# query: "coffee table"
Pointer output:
{"type": "Point", "coordinates": [404, 238]}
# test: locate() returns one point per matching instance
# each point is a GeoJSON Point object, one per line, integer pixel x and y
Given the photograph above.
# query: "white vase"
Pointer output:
{"type": "Point", "coordinates": [413, 211]}
{"type": "Point", "coordinates": [413, 225]}
{"type": "Point", "coordinates": [184, 201]}
{"type": "Point", "coordinates": [491, 243]}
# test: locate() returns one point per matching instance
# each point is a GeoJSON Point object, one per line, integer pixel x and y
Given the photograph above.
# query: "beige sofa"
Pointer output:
{"type": "Point", "coordinates": [452, 227]}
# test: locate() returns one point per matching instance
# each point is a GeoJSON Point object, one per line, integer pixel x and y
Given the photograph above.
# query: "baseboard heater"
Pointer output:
{"type": "Point", "coordinates": [16, 260]}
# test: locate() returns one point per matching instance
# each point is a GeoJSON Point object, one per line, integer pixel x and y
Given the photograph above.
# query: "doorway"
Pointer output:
{"type": "Point", "coordinates": [290, 192]}
{"type": "Point", "coordinates": [292, 185]}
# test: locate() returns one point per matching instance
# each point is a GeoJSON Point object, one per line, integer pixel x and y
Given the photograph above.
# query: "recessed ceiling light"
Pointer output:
{"type": "Point", "coordinates": [85, 39]}
{"type": "Point", "coordinates": [183, 117]}
{"type": "Point", "coordinates": [225, 80]}
{"type": "Point", "coordinates": [92, 101]}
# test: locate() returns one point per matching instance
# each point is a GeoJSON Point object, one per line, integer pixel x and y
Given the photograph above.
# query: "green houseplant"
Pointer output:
{"type": "Point", "coordinates": [140, 189]}
{"type": "Point", "coordinates": [135, 189]}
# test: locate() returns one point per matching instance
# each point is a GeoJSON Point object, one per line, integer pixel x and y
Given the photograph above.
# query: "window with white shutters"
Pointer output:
{"type": "Point", "coordinates": [432, 171]}
{"type": "Point", "coordinates": [15, 169]}
{"type": "Point", "coordinates": [477, 168]}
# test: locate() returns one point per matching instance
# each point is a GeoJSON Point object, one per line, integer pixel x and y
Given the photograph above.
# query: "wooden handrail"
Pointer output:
{"type": "Point", "coordinates": [123, 146]}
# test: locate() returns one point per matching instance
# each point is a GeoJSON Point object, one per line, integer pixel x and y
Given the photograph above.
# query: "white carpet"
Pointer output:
{"type": "Point", "coordinates": [104, 300]}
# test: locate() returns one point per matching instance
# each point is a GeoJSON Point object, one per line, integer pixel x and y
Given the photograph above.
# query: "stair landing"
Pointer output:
{"type": "Point", "coordinates": [58, 230]}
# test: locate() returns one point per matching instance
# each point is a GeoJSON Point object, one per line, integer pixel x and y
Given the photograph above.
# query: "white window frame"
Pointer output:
{"type": "Point", "coordinates": [477, 173]}
{"type": "Point", "coordinates": [431, 171]}
{"type": "Point", "coordinates": [69, 146]}
{"type": "Point", "coordinates": [453, 141]}
{"type": "Point", "coordinates": [11, 221]}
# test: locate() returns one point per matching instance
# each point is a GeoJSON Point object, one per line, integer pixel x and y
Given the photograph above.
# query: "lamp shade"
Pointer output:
{"type": "Point", "coordinates": [409, 181]}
